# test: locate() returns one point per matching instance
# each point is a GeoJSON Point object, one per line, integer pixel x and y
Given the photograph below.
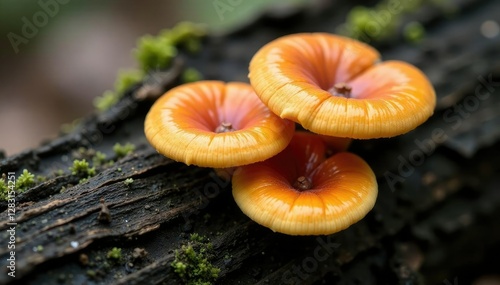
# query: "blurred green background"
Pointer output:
{"type": "Point", "coordinates": [57, 55]}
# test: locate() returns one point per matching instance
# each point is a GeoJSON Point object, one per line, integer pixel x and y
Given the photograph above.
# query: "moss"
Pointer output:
{"type": "Point", "coordinates": [192, 45]}
{"type": "Point", "coordinates": [196, 237]}
{"type": "Point", "coordinates": [362, 24]}
{"type": "Point", "coordinates": [106, 101]}
{"type": "Point", "coordinates": [185, 35]}
{"type": "Point", "coordinates": [70, 127]}
{"type": "Point", "coordinates": [91, 273]}
{"type": "Point", "coordinates": [38, 248]}
{"type": "Point", "coordinates": [157, 52]}
{"type": "Point", "coordinates": [40, 178]}
{"type": "Point", "coordinates": [25, 181]}
{"type": "Point", "coordinates": [180, 268]}
{"type": "Point", "coordinates": [115, 254]}
{"type": "Point", "coordinates": [106, 266]}
{"type": "Point", "coordinates": [380, 22]}
{"type": "Point", "coordinates": [126, 79]}
{"type": "Point", "coordinates": [183, 32]}
{"type": "Point", "coordinates": [191, 262]}
{"type": "Point", "coordinates": [4, 190]}
{"type": "Point", "coordinates": [154, 52]}
{"type": "Point", "coordinates": [83, 152]}
{"type": "Point", "coordinates": [191, 75]}
{"type": "Point", "coordinates": [81, 168]}
{"type": "Point", "coordinates": [99, 158]}
{"type": "Point", "coordinates": [414, 32]}
{"type": "Point", "coordinates": [128, 181]}
{"type": "Point", "coordinates": [123, 150]}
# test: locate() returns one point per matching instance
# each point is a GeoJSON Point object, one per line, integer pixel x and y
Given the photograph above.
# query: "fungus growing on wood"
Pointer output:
{"type": "Point", "coordinates": [301, 192]}
{"type": "Point", "coordinates": [337, 86]}
{"type": "Point", "coordinates": [214, 124]}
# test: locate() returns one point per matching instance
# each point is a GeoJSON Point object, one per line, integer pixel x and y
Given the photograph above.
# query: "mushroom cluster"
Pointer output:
{"type": "Point", "coordinates": [297, 183]}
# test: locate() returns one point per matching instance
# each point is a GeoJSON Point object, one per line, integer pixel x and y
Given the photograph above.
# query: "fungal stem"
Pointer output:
{"type": "Point", "coordinates": [302, 183]}
{"type": "Point", "coordinates": [224, 127]}
{"type": "Point", "coordinates": [341, 89]}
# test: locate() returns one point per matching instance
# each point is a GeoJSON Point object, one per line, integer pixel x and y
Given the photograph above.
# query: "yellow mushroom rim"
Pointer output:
{"type": "Point", "coordinates": [300, 192]}
{"type": "Point", "coordinates": [337, 86]}
{"type": "Point", "coordinates": [214, 124]}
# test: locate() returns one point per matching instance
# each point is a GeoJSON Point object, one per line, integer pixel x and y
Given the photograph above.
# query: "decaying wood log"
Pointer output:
{"type": "Point", "coordinates": [435, 220]}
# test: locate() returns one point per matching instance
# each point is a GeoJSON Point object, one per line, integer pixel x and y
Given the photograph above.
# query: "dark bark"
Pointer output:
{"type": "Point", "coordinates": [438, 212]}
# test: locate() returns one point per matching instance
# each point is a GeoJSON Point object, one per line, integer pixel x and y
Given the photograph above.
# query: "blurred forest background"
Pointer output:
{"type": "Point", "coordinates": [51, 76]}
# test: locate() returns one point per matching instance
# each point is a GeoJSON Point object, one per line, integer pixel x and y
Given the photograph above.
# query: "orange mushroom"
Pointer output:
{"type": "Point", "coordinates": [213, 124]}
{"type": "Point", "coordinates": [300, 192]}
{"type": "Point", "coordinates": [337, 86]}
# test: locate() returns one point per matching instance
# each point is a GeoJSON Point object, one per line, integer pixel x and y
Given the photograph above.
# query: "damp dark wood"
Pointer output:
{"type": "Point", "coordinates": [435, 224]}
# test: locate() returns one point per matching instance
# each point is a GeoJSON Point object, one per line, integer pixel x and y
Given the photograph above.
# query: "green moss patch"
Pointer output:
{"type": "Point", "coordinates": [192, 264]}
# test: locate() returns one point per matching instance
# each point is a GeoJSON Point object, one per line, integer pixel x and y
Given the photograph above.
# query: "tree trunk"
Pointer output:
{"type": "Point", "coordinates": [435, 220]}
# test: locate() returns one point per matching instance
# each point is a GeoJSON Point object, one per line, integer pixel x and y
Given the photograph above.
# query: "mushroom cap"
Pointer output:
{"type": "Point", "coordinates": [343, 189]}
{"type": "Point", "coordinates": [182, 125]}
{"type": "Point", "coordinates": [294, 76]}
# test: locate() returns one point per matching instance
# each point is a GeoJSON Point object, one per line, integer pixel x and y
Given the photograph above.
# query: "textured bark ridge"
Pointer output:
{"type": "Point", "coordinates": [435, 220]}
